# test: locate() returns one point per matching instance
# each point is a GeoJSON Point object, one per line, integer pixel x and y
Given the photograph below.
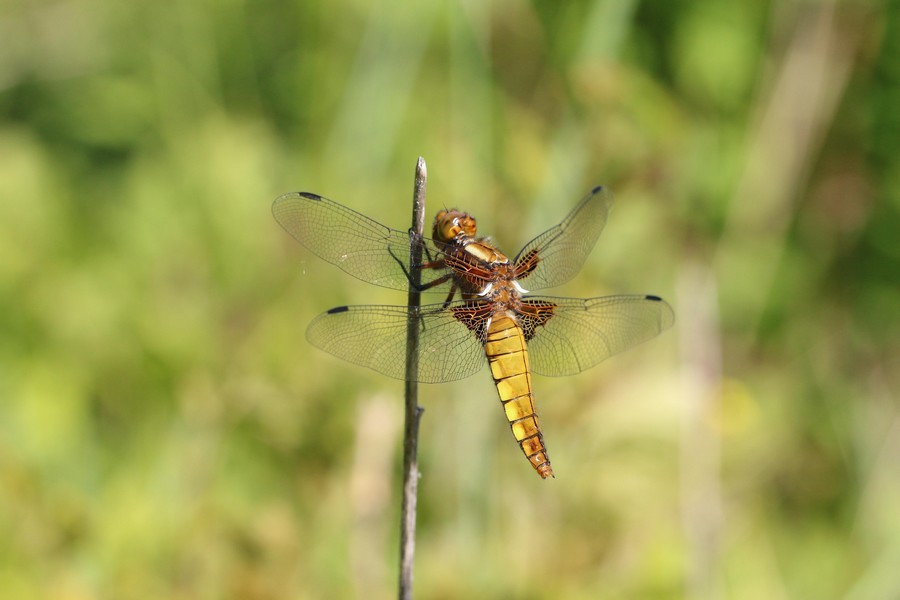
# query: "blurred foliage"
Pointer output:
{"type": "Point", "coordinates": [166, 432]}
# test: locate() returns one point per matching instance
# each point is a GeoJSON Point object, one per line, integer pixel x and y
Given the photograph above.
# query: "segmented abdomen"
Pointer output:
{"type": "Point", "coordinates": [508, 356]}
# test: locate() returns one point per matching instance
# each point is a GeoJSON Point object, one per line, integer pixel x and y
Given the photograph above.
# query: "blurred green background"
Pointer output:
{"type": "Point", "coordinates": [167, 432]}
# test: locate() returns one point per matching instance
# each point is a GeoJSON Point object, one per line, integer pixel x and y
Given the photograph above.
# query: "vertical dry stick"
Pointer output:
{"type": "Point", "coordinates": [413, 410]}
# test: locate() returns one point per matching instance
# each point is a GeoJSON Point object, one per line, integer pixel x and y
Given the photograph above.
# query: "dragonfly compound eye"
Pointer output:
{"type": "Point", "coordinates": [448, 225]}
{"type": "Point", "coordinates": [467, 224]}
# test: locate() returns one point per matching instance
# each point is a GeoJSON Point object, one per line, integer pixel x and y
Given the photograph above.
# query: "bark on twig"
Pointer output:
{"type": "Point", "coordinates": [413, 410]}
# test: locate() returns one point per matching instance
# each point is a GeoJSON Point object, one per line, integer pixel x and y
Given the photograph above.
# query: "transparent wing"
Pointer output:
{"type": "Point", "coordinates": [568, 335]}
{"type": "Point", "coordinates": [375, 337]}
{"type": "Point", "coordinates": [556, 255]}
{"type": "Point", "coordinates": [357, 244]}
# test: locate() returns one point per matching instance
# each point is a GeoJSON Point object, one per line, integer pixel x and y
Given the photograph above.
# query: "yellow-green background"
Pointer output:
{"type": "Point", "coordinates": [167, 432]}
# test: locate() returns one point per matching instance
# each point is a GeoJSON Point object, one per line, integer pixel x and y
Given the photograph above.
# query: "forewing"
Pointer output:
{"type": "Point", "coordinates": [559, 253]}
{"type": "Point", "coordinates": [353, 242]}
{"type": "Point", "coordinates": [375, 337]}
{"type": "Point", "coordinates": [568, 335]}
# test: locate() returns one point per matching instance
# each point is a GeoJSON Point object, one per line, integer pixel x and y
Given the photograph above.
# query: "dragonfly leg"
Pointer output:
{"type": "Point", "coordinates": [421, 287]}
{"type": "Point", "coordinates": [424, 249]}
{"type": "Point", "coordinates": [450, 295]}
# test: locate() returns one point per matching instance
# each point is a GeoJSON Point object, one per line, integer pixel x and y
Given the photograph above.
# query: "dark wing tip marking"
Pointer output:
{"type": "Point", "coordinates": [310, 195]}
{"type": "Point", "coordinates": [338, 309]}
{"type": "Point", "coordinates": [654, 298]}
{"type": "Point", "coordinates": [597, 189]}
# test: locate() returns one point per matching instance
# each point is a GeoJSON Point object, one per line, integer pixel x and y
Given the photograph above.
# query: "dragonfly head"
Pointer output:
{"type": "Point", "coordinates": [449, 225]}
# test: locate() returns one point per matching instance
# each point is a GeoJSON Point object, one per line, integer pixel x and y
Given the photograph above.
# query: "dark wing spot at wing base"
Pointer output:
{"type": "Point", "coordinates": [338, 309]}
{"type": "Point", "coordinates": [310, 195]}
{"type": "Point", "coordinates": [597, 189]}
{"type": "Point", "coordinates": [654, 298]}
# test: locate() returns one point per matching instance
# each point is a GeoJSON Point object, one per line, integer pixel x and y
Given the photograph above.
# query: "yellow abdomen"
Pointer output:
{"type": "Point", "coordinates": [508, 356]}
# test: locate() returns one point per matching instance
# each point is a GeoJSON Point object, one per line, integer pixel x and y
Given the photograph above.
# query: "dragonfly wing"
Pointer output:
{"type": "Point", "coordinates": [556, 255]}
{"type": "Point", "coordinates": [375, 337]}
{"type": "Point", "coordinates": [568, 335]}
{"type": "Point", "coordinates": [353, 242]}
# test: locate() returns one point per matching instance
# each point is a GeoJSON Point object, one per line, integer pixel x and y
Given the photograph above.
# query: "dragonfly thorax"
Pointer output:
{"type": "Point", "coordinates": [485, 253]}
{"type": "Point", "coordinates": [502, 294]}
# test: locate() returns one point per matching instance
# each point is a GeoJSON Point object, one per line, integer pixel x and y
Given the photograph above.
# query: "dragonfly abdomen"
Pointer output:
{"type": "Point", "coordinates": [508, 356]}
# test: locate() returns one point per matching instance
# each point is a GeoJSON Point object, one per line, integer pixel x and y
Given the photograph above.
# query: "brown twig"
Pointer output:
{"type": "Point", "coordinates": [413, 410]}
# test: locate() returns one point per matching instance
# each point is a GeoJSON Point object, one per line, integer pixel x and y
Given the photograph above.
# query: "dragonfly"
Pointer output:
{"type": "Point", "coordinates": [487, 315]}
